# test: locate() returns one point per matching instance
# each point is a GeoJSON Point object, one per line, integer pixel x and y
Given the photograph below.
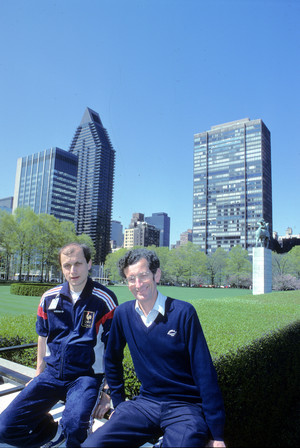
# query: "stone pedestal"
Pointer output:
{"type": "Point", "coordinates": [262, 270]}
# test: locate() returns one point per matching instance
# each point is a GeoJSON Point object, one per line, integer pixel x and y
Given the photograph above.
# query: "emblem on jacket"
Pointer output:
{"type": "Point", "coordinates": [88, 319]}
{"type": "Point", "coordinates": [172, 333]}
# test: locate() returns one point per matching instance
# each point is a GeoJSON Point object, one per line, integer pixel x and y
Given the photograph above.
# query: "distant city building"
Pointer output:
{"type": "Point", "coordinates": [46, 182]}
{"type": "Point", "coordinates": [232, 187]}
{"type": "Point", "coordinates": [289, 232]}
{"type": "Point", "coordinates": [140, 233]}
{"type": "Point", "coordinates": [6, 204]}
{"type": "Point", "coordinates": [162, 222]}
{"type": "Point", "coordinates": [136, 217]}
{"type": "Point", "coordinates": [117, 236]}
{"type": "Point", "coordinates": [285, 243]}
{"type": "Point", "coordinates": [96, 162]}
{"type": "Point", "coordinates": [186, 237]}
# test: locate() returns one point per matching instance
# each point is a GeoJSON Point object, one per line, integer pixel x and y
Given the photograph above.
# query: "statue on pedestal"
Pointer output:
{"type": "Point", "coordinates": [262, 234]}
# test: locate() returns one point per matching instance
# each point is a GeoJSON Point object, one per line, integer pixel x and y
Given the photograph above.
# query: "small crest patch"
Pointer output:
{"type": "Point", "coordinates": [88, 319]}
{"type": "Point", "coordinates": [172, 333]}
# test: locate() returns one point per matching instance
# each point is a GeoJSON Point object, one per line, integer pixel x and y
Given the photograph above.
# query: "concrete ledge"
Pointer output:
{"type": "Point", "coordinates": [17, 372]}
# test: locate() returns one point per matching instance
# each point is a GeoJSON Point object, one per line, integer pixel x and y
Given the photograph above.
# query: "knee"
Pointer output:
{"type": "Point", "coordinates": [6, 435]}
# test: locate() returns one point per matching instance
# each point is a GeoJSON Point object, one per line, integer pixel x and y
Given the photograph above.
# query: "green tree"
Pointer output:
{"type": "Point", "coordinates": [7, 239]}
{"type": "Point", "coordinates": [187, 263]}
{"type": "Point", "coordinates": [48, 241]}
{"type": "Point", "coordinates": [294, 261]}
{"type": "Point", "coordinates": [164, 256]}
{"type": "Point", "coordinates": [31, 228]}
{"type": "Point", "coordinates": [215, 265]}
{"type": "Point", "coordinates": [87, 240]}
{"type": "Point", "coordinates": [238, 266]}
{"type": "Point", "coordinates": [280, 264]}
{"type": "Point", "coordinates": [24, 237]}
{"type": "Point", "coordinates": [111, 265]}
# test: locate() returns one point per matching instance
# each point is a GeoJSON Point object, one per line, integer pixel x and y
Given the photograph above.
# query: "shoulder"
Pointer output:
{"type": "Point", "coordinates": [124, 309]}
{"type": "Point", "coordinates": [126, 306]}
{"type": "Point", "coordinates": [50, 293]}
{"type": "Point", "coordinates": [179, 304]}
{"type": "Point", "coordinates": [180, 307]}
{"type": "Point", "coordinates": [104, 294]}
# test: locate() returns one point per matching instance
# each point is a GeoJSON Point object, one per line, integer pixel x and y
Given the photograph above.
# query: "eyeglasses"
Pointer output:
{"type": "Point", "coordinates": [143, 276]}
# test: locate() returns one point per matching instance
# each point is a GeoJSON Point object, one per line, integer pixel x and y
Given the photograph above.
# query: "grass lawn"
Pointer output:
{"type": "Point", "coordinates": [11, 304]}
{"type": "Point", "coordinates": [230, 318]}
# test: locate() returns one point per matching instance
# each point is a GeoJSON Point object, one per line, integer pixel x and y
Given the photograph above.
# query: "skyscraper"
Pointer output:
{"type": "Point", "coordinates": [162, 222]}
{"type": "Point", "coordinates": [96, 161]}
{"type": "Point", "coordinates": [46, 182]}
{"type": "Point", "coordinates": [232, 184]}
{"type": "Point", "coordinates": [117, 233]}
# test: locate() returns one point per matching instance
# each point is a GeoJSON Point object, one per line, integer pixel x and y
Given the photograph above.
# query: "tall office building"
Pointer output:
{"type": "Point", "coordinates": [46, 182]}
{"type": "Point", "coordinates": [162, 222]}
{"type": "Point", "coordinates": [117, 236]}
{"type": "Point", "coordinates": [232, 184]}
{"type": "Point", "coordinates": [6, 204]}
{"type": "Point", "coordinates": [96, 161]}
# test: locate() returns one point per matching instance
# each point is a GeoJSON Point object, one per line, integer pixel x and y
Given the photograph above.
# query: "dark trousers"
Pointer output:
{"type": "Point", "coordinates": [26, 422]}
{"type": "Point", "coordinates": [141, 420]}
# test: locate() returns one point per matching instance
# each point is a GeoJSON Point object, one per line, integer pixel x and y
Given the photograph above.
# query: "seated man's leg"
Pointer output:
{"type": "Point", "coordinates": [81, 398]}
{"type": "Point", "coordinates": [26, 421]}
{"type": "Point", "coordinates": [184, 425]}
{"type": "Point", "coordinates": [132, 424]}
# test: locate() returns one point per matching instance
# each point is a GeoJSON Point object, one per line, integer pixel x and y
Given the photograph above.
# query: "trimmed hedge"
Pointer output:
{"type": "Point", "coordinates": [25, 357]}
{"type": "Point", "coordinates": [30, 289]}
{"type": "Point", "coordinates": [260, 384]}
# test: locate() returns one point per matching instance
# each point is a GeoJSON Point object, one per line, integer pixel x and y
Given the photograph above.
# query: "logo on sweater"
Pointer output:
{"type": "Point", "coordinates": [172, 333]}
{"type": "Point", "coordinates": [88, 319]}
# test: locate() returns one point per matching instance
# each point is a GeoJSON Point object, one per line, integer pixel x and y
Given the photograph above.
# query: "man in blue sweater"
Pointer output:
{"type": "Point", "coordinates": [179, 395]}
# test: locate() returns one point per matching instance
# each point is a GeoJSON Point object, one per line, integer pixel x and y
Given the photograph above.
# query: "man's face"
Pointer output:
{"type": "Point", "coordinates": [75, 267]}
{"type": "Point", "coordinates": [141, 282]}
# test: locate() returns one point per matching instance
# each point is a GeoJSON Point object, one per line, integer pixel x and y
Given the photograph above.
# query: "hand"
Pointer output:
{"type": "Point", "coordinates": [215, 444]}
{"type": "Point", "coordinates": [109, 413]}
{"type": "Point", "coordinates": [38, 372]}
{"type": "Point", "coordinates": [102, 407]}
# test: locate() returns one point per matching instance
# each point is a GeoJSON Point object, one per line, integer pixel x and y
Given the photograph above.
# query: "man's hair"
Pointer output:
{"type": "Point", "coordinates": [67, 249]}
{"type": "Point", "coordinates": [135, 255]}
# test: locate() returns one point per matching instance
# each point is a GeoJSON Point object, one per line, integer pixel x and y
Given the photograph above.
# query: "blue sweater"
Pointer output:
{"type": "Point", "coordinates": [171, 359]}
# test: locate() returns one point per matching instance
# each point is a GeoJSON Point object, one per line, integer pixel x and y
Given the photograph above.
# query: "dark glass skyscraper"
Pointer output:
{"type": "Point", "coordinates": [162, 222]}
{"type": "Point", "coordinates": [96, 161]}
{"type": "Point", "coordinates": [232, 184]}
{"type": "Point", "coordinates": [46, 182]}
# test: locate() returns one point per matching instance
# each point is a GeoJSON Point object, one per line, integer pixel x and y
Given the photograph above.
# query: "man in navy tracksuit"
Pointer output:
{"type": "Point", "coordinates": [73, 323]}
{"type": "Point", "coordinates": [179, 395]}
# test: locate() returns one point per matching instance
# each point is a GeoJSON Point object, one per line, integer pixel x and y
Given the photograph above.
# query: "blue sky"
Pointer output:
{"type": "Point", "coordinates": [157, 72]}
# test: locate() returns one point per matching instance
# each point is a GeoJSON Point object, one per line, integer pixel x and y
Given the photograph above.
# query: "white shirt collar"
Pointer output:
{"type": "Point", "coordinates": [159, 307]}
